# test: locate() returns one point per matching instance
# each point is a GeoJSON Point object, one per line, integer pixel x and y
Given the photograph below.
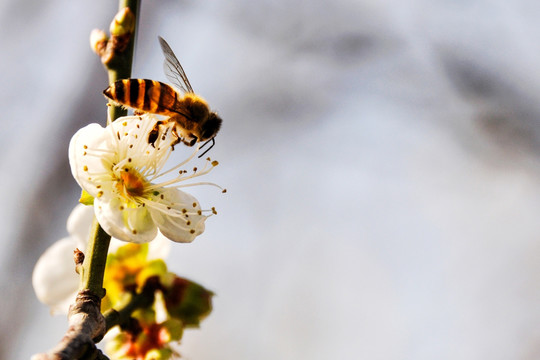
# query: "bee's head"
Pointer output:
{"type": "Point", "coordinates": [211, 126]}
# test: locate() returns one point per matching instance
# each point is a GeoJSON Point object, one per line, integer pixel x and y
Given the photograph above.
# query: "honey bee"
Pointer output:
{"type": "Point", "coordinates": [187, 114]}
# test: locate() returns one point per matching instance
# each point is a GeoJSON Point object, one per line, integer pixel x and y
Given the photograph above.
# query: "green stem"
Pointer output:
{"type": "Point", "coordinates": [95, 259]}
{"type": "Point", "coordinates": [98, 245]}
{"type": "Point", "coordinates": [121, 67]}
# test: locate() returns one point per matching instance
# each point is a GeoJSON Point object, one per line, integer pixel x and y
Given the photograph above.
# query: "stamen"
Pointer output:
{"type": "Point", "coordinates": [201, 183]}
{"type": "Point", "coordinates": [179, 165]}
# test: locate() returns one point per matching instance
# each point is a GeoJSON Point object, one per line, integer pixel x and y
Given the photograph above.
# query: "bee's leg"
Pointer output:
{"type": "Point", "coordinates": [154, 133]}
{"type": "Point", "coordinates": [178, 138]}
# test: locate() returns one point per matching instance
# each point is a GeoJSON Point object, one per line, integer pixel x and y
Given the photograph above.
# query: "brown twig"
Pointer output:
{"type": "Point", "coordinates": [86, 327]}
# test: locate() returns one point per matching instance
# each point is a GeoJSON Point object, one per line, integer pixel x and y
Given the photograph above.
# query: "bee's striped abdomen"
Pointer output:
{"type": "Point", "coordinates": [145, 95]}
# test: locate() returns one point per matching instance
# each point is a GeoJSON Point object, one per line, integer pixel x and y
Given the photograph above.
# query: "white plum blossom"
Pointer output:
{"type": "Point", "coordinates": [123, 172]}
{"type": "Point", "coordinates": [54, 278]}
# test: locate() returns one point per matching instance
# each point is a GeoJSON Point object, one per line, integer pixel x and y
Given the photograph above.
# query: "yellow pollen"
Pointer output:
{"type": "Point", "coordinates": [85, 168]}
{"type": "Point", "coordinates": [215, 163]}
{"type": "Point", "coordinates": [132, 183]}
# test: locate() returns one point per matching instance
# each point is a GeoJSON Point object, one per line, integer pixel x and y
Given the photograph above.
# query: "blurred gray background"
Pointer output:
{"type": "Point", "coordinates": [381, 161]}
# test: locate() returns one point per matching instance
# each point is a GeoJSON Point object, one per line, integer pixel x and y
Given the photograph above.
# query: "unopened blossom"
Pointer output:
{"type": "Point", "coordinates": [54, 278]}
{"type": "Point", "coordinates": [149, 341]}
{"type": "Point", "coordinates": [124, 173]}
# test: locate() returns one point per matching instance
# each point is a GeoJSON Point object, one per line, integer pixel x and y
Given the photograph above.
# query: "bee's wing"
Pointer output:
{"type": "Point", "coordinates": [173, 69]}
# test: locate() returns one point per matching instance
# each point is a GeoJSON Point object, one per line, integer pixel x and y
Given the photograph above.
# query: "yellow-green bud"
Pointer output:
{"type": "Point", "coordinates": [123, 23]}
{"type": "Point", "coordinates": [175, 328]}
{"type": "Point", "coordinates": [159, 354]}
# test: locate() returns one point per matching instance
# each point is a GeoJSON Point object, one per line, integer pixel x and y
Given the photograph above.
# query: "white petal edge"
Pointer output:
{"type": "Point", "coordinates": [90, 136]}
{"type": "Point", "coordinates": [175, 228]}
{"type": "Point", "coordinates": [54, 278]}
{"type": "Point", "coordinates": [79, 224]}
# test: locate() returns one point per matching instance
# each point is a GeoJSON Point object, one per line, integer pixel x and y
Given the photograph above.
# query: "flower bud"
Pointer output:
{"type": "Point", "coordinates": [123, 23]}
{"type": "Point", "coordinates": [159, 354]}
{"type": "Point", "coordinates": [98, 41]}
{"type": "Point", "coordinates": [174, 328]}
{"type": "Point", "coordinates": [187, 301]}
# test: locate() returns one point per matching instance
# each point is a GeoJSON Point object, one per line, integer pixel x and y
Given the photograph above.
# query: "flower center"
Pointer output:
{"type": "Point", "coordinates": [132, 183]}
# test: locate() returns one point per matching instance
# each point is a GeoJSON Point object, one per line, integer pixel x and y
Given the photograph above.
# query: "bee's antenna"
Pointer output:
{"type": "Point", "coordinates": [207, 150]}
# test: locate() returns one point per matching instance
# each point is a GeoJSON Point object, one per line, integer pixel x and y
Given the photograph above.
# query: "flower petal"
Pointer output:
{"type": "Point", "coordinates": [54, 278]}
{"type": "Point", "coordinates": [79, 224]}
{"type": "Point", "coordinates": [180, 228]}
{"type": "Point", "coordinates": [159, 248]}
{"type": "Point", "coordinates": [89, 137]}
{"type": "Point", "coordinates": [125, 223]}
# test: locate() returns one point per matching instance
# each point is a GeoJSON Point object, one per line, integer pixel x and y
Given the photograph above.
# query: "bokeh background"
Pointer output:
{"type": "Point", "coordinates": [381, 160]}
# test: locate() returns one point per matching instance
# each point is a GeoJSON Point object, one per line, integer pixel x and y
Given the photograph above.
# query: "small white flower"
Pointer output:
{"type": "Point", "coordinates": [120, 169]}
{"type": "Point", "coordinates": [54, 278]}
